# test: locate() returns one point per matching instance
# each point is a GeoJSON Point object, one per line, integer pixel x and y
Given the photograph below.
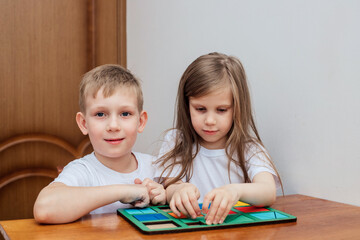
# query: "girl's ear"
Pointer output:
{"type": "Point", "coordinates": [81, 122]}
{"type": "Point", "coordinates": [142, 121]}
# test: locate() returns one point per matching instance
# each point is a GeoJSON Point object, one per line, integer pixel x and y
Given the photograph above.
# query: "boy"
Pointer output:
{"type": "Point", "coordinates": [111, 114]}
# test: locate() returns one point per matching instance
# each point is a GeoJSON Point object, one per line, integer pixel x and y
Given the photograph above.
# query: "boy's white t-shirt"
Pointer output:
{"type": "Point", "coordinates": [88, 171]}
{"type": "Point", "coordinates": [210, 167]}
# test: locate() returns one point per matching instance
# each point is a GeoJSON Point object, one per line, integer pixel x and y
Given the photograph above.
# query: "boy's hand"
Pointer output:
{"type": "Point", "coordinates": [156, 191]}
{"type": "Point", "coordinates": [137, 196]}
{"type": "Point", "coordinates": [222, 199]}
{"type": "Point", "coordinates": [185, 200]}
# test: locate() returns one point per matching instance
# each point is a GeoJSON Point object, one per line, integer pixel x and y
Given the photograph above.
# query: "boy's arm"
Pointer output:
{"type": "Point", "coordinates": [261, 192]}
{"type": "Point", "coordinates": [59, 203]}
{"type": "Point", "coordinates": [156, 191]}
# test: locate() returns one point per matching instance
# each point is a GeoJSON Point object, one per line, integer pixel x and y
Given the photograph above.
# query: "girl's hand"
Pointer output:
{"type": "Point", "coordinates": [222, 199]}
{"type": "Point", "coordinates": [156, 191]}
{"type": "Point", "coordinates": [137, 195]}
{"type": "Point", "coordinates": [184, 200]}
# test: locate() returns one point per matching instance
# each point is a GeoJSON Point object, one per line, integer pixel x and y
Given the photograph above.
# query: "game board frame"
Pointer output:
{"type": "Point", "coordinates": [247, 217]}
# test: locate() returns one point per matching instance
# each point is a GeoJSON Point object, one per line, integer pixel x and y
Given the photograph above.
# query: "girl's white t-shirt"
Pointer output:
{"type": "Point", "coordinates": [210, 167]}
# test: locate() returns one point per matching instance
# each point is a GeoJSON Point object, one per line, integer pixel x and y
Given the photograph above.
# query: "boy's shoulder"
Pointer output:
{"type": "Point", "coordinates": [84, 160]}
{"type": "Point", "coordinates": [146, 166]}
{"type": "Point", "coordinates": [144, 157]}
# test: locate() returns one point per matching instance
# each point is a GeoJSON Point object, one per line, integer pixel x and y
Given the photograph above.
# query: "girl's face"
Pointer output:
{"type": "Point", "coordinates": [212, 117]}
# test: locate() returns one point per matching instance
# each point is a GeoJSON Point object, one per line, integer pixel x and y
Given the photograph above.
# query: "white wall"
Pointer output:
{"type": "Point", "coordinates": [302, 60]}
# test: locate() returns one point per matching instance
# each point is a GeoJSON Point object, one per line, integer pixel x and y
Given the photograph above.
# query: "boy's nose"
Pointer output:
{"type": "Point", "coordinates": [113, 124]}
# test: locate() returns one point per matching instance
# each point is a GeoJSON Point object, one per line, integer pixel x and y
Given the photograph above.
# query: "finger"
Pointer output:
{"type": "Point", "coordinates": [153, 194]}
{"type": "Point", "coordinates": [177, 207]}
{"type": "Point", "coordinates": [147, 181]}
{"type": "Point", "coordinates": [194, 203]}
{"type": "Point", "coordinates": [137, 181]}
{"type": "Point", "coordinates": [173, 207]}
{"type": "Point", "coordinates": [213, 209]}
{"type": "Point", "coordinates": [163, 200]}
{"type": "Point", "coordinates": [159, 199]}
{"type": "Point", "coordinates": [223, 217]}
{"type": "Point", "coordinates": [180, 205]}
{"type": "Point", "coordinates": [206, 202]}
{"type": "Point", "coordinates": [155, 191]}
{"type": "Point", "coordinates": [221, 210]}
{"type": "Point", "coordinates": [143, 202]}
{"type": "Point", "coordinates": [187, 203]}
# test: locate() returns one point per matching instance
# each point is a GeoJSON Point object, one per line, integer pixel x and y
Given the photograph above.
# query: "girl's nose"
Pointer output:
{"type": "Point", "coordinates": [113, 124]}
{"type": "Point", "coordinates": [210, 120]}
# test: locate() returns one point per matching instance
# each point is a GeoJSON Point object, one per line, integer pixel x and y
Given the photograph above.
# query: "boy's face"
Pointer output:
{"type": "Point", "coordinates": [112, 123]}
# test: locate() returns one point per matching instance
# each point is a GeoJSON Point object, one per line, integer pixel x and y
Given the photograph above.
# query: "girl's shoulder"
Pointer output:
{"type": "Point", "coordinates": [168, 142]}
{"type": "Point", "coordinates": [255, 148]}
{"type": "Point", "coordinates": [171, 134]}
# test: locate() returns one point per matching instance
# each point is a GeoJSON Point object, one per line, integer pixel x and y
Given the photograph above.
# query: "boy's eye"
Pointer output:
{"type": "Point", "coordinates": [125, 114]}
{"type": "Point", "coordinates": [100, 114]}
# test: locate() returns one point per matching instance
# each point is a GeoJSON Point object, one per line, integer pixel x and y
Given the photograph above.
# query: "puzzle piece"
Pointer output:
{"type": "Point", "coordinates": [239, 203]}
{"type": "Point", "coordinates": [268, 215]}
{"type": "Point", "coordinates": [182, 215]}
{"type": "Point", "coordinates": [251, 209]}
{"type": "Point", "coordinates": [150, 217]}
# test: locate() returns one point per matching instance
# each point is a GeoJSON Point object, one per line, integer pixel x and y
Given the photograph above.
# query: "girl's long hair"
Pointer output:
{"type": "Point", "coordinates": [205, 74]}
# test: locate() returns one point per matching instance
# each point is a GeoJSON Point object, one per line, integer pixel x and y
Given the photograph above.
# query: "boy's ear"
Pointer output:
{"type": "Point", "coordinates": [142, 121]}
{"type": "Point", "coordinates": [81, 122]}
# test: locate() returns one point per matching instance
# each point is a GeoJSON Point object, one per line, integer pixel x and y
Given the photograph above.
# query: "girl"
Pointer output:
{"type": "Point", "coordinates": [215, 150]}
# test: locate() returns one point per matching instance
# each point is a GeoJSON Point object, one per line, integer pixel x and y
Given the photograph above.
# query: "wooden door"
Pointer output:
{"type": "Point", "coordinates": [45, 48]}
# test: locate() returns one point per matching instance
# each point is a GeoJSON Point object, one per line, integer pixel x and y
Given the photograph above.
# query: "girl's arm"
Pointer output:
{"type": "Point", "coordinates": [261, 192]}
{"type": "Point", "coordinates": [182, 197]}
{"type": "Point", "coordinates": [59, 203]}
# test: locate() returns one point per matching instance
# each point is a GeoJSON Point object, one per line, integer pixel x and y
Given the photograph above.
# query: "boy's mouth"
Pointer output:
{"type": "Point", "coordinates": [114, 141]}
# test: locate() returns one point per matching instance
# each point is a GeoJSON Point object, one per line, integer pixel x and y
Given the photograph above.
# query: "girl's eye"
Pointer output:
{"type": "Point", "coordinates": [222, 110]}
{"type": "Point", "coordinates": [125, 114]}
{"type": "Point", "coordinates": [100, 114]}
{"type": "Point", "coordinates": [200, 109]}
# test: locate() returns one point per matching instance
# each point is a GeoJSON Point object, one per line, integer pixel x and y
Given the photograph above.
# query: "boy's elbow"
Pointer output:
{"type": "Point", "coordinates": [42, 212]}
{"type": "Point", "coordinates": [41, 215]}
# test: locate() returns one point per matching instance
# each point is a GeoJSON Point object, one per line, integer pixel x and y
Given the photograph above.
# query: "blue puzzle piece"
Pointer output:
{"type": "Point", "coordinates": [147, 210]}
{"type": "Point", "coordinates": [150, 217]}
{"type": "Point", "coordinates": [268, 215]}
{"type": "Point", "coordinates": [133, 211]}
{"type": "Point", "coordinates": [160, 216]}
{"type": "Point", "coordinates": [200, 205]}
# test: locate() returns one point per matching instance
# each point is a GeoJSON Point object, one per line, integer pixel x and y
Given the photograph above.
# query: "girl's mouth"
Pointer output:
{"type": "Point", "coordinates": [208, 132]}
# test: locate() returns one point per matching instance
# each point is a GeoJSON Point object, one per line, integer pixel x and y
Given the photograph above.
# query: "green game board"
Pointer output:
{"type": "Point", "coordinates": [160, 219]}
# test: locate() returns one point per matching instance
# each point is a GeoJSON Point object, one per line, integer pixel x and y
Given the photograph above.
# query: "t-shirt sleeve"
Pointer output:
{"type": "Point", "coordinates": [74, 174]}
{"type": "Point", "coordinates": [167, 145]}
{"type": "Point", "coordinates": [258, 161]}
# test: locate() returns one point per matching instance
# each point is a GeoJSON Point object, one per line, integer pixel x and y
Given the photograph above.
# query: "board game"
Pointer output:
{"type": "Point", "coordinates": [160, 219]}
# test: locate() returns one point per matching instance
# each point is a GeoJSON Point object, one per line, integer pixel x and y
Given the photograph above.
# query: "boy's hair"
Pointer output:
{"type": "Point", "coordinates": [206, 74]}
{"type": "Point", "coordinates": [108, 77]}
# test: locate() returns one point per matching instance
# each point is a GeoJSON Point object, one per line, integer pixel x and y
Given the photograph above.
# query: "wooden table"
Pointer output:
{"type": "Point", "coordinates": [317, 219]}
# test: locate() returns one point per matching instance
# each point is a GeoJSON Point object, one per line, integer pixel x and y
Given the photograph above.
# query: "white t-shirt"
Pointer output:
{"type": "Point", "coordinates": [210, 167]}
{"type": "Point", "coordinates": [90, 172]}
